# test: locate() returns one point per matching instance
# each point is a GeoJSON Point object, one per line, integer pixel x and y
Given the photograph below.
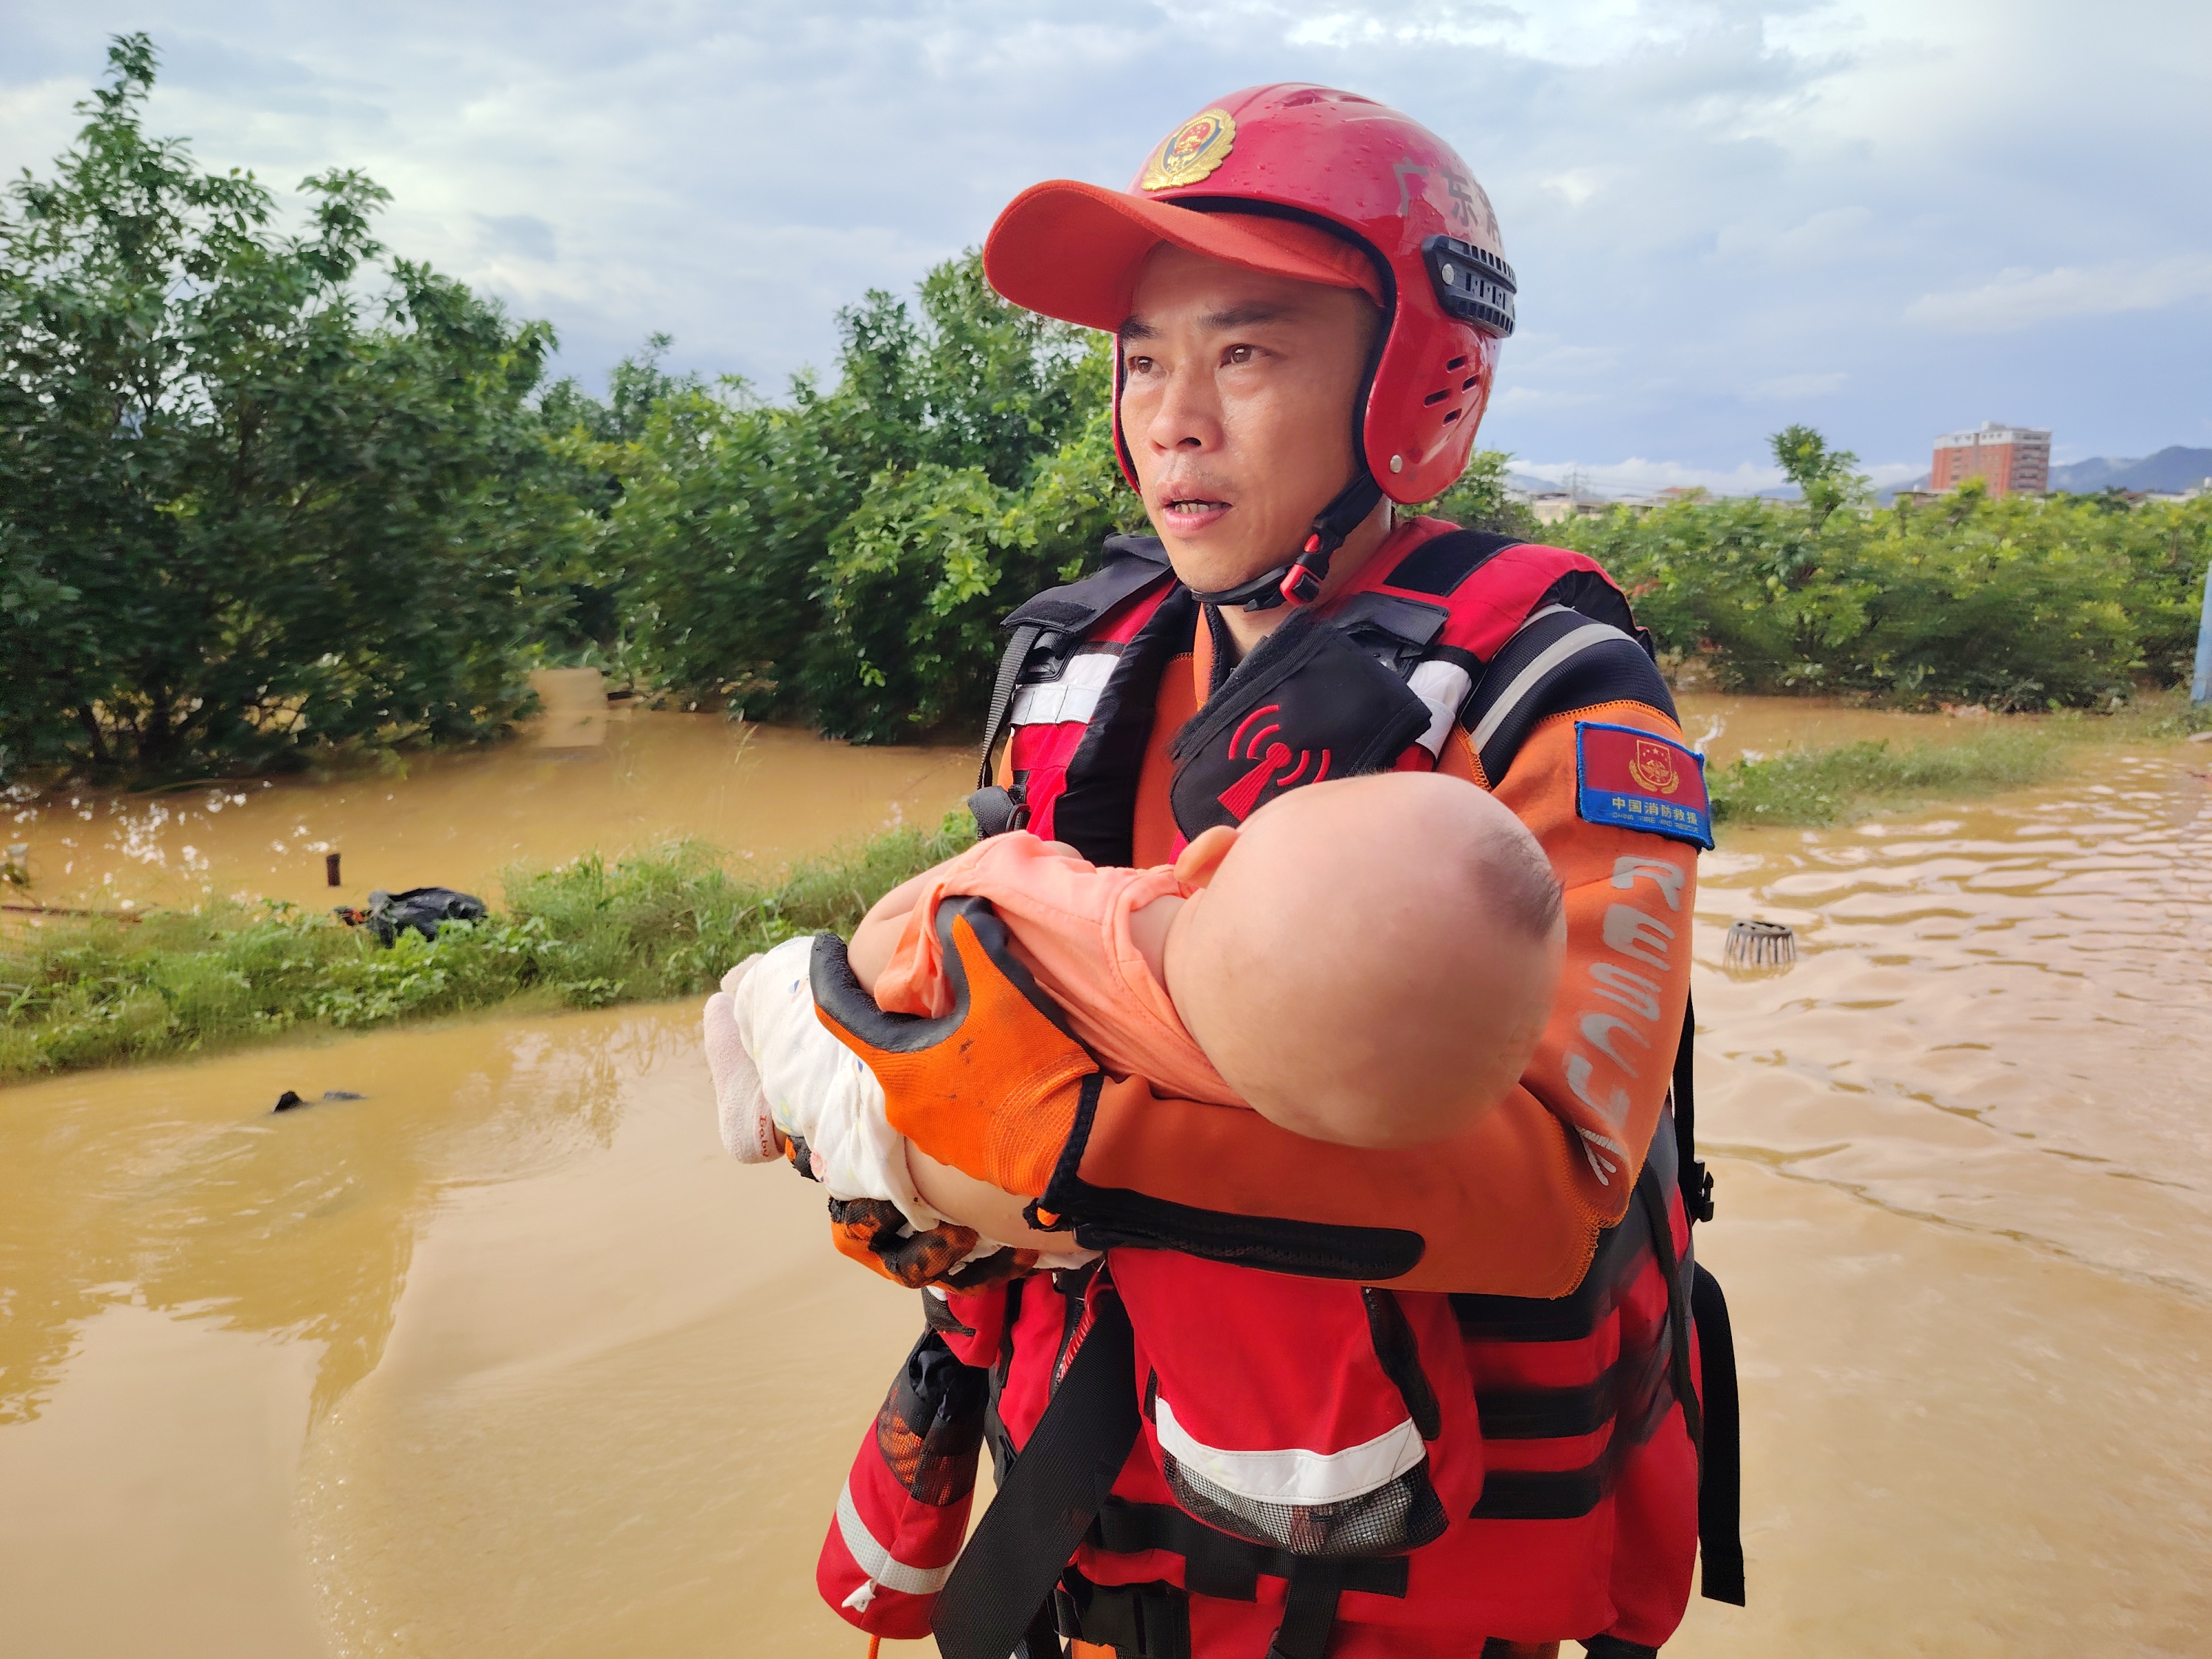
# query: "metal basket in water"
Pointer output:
{"type": "Point", "coordinates": [1758, 944]}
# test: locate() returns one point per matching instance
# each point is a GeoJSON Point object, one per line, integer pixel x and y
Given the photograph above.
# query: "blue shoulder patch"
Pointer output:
{"type": "Point", "coordinates": [1635, 780]}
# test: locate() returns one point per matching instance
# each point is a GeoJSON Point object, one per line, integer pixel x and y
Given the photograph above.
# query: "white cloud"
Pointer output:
{"type": "Point", "coordinates": [1574, 187]}
{"type": "Point", "coordinates": [2022, 298]}
{"type": "Point", "coordinates": [1891, 475]}
{"type": "Point", "coordinates": [1638, 477]}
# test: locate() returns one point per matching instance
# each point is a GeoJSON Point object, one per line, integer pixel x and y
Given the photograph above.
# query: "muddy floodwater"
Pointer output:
{"type": "Point", "coordinates": [505, 1357]}
{"type": "Point", "coordinates": [611, 782]}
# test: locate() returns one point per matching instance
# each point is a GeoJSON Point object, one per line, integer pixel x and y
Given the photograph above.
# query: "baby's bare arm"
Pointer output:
{"type": "Point", "coordinates": [869, 949]}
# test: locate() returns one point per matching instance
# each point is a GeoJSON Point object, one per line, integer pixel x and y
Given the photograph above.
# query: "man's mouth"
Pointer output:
{"type": "Point", "coordinates": [1191, 512]}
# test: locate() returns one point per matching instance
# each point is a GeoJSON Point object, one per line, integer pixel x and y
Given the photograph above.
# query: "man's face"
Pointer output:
{"type": "Point", "coordinates": [1237, 407]}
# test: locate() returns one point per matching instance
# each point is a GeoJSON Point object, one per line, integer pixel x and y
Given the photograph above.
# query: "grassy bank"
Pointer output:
{"type": "Point", "coordinates": [1808, 787]}
{"type": "Point", "coordinates": [662, 924]}
{"type": "Point", "coordinates": [1811, 787]}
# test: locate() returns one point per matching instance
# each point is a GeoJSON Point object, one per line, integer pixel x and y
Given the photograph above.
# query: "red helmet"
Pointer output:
{"type": "Point", "coordinates": [1324, 186]}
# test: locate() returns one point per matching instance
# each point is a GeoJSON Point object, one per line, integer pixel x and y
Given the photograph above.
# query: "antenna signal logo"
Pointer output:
{"type": "Point", "coordinates": [1269, 755]}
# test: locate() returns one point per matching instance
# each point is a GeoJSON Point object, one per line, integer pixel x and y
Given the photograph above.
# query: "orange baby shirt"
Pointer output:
{"type": "Point", "coordinates": [1071, 920]}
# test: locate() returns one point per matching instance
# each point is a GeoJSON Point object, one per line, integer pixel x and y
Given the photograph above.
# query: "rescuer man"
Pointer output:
{"type": "Point", "coordinates": [1307, 292]}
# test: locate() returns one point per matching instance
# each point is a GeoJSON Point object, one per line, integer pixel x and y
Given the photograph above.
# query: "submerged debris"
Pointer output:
{"type": "Point", "coordinates": [1757, 944]}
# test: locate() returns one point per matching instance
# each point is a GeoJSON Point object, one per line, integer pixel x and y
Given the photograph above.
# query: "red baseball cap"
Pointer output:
{"type": "Point", "coordinates": [1073, 250]}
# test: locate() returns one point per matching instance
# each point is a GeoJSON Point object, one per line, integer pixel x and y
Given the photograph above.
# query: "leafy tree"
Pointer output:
{"type": "Point", "coordinates": [247, 500]}
{"type": "Point", "coordinates": [840, 554]}
{"type": "Point", "coordinates": [1823, 476]}
{"type": "Point", "coordinates": [635, 387]}
{"type": "Point", "coordinates": [917, 580]}
{"type": "Point", "coordinates": [728, 504]}
{"type": "Point", "coordinates": [592, 448]}
{"type": "Point", "coordinates": [1479, 500]}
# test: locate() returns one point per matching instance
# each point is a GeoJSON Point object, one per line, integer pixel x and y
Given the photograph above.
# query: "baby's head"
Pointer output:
{"type": "Point", "coordinates": [1372, 961]}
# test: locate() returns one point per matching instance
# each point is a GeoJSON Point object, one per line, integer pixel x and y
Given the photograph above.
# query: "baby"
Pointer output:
{"type": "Point", "coordinates": [1368, 961]}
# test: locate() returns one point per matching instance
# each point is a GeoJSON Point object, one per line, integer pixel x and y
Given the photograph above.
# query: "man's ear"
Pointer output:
{"type": "Point", "coordinates": [1199, 860]}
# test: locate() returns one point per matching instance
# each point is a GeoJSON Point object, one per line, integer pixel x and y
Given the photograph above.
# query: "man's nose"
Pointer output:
{"type": "Point", "coordinates": [1188, 416]}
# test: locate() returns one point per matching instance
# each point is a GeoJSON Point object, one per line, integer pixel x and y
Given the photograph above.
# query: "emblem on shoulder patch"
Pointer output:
{"type": "Point", "coordinates": [1192, 151]}
{"type": "Point", "coordinates": [1634, 779]}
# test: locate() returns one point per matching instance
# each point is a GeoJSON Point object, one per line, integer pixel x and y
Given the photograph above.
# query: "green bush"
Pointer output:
{"type": "Point", "coordinates": [2019, 603]}
{"type": "Point", "coordinates": [590, 933]}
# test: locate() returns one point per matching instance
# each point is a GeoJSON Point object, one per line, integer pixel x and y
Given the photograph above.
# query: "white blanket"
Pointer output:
{"type": "Point", "coordinates": [776, 1067]}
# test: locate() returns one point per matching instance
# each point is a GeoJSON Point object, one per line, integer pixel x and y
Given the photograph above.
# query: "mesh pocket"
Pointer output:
{"type": "Point", "coordinates": [931, 1427]}
{"type": "Point", "coordinates": [1402, 1515]}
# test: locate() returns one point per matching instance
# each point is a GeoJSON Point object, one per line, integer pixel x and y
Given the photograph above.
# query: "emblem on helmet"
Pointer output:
{"type": "Point", "coordinates": [1192, 151]}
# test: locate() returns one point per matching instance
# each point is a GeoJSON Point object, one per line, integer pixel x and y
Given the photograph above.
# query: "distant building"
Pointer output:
{"type": "Point", "coordinates": [2014, 460]}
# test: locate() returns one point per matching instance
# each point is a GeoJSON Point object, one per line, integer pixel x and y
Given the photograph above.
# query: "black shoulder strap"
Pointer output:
{"type": "Point", "coordinates": [1697, 1180]}
{"type": "Point", "coordinates": [1720, 1470]}
{"type": "Point", "coordinates": [1720, 1463]}
{"type": "Point", "coordinates": [1057, 1487]}
{"type": "Point", "coordinates": [1026, 634]}
{"type": "Point", "coordinates": [1440, 564]}
{"type": "Point", "coordinates": [1131, 563]}
{"type": "Point", "coordinates": [1559, 660]}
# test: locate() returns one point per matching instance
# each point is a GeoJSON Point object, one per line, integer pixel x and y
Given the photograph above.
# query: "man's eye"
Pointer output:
{"type": "Point", "coordinates": [1140, 365]}
{"type": "Point", "coordinates": [1242, 353]}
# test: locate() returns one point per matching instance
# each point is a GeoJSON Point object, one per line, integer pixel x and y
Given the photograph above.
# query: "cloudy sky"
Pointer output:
{"type": "Point", "coordinates": [1889, 218]}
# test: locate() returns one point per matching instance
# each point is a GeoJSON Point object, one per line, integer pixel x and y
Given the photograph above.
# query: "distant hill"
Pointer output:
{"type": "Point", "coordinates": [2171, 469]}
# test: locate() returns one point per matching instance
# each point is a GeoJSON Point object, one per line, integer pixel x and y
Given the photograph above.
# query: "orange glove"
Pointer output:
{"type": "Point", "coordinates": [994, 1088]}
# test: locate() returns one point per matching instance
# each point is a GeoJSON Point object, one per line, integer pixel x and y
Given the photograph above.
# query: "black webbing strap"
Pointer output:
{"type": "Point", "coordinates": [1308, 1610]}
{"type": "Point", "coordinates": [1697, 1180]}
{"type": "Point", "coordinates": [1720, 1444]}
{"type": "Point", "coordinates": [1046, 1503]}
{"type": "Point", "coordinates": [1720, 1479]}
{"type": "Point", "coordinates": [1026, 634]}
{"type": "Point", "coordinates": [1042, 1639]}
{"type": "Point", "coordinates": [1653, 1198]}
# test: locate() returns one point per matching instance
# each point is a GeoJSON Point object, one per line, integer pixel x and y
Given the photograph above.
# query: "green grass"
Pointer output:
{"type": "Point", "coordinates": [1812, 787]}
{"type": "Point", "coordinates": [666, 923]}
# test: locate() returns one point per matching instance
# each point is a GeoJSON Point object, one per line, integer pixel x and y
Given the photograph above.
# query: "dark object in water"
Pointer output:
{"type": "Point", "coordinates": [331, 869]}
{"type": "Point", "coordinates": [291, 1100]}
{"type": "Point", "coordinates": [1758, 944]}
{"type": "Point", "coordinates": [422, 909]}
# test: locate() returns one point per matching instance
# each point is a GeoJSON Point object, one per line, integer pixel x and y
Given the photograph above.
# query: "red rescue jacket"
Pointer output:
{"type": "Point", "coordinates": [1520, 667]}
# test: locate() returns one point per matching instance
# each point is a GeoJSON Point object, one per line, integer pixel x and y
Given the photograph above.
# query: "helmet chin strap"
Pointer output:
{"type": "Point", "coordinates": [1300, 582]}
